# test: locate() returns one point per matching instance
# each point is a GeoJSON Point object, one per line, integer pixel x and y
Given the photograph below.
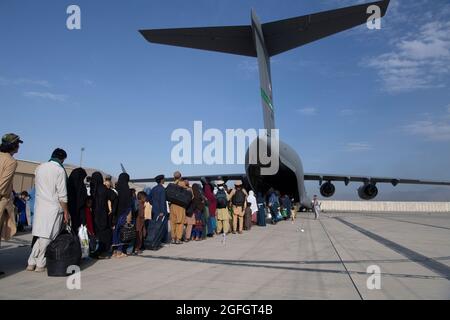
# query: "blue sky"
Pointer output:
{"type": "Point", "coordinates": [373, 102]}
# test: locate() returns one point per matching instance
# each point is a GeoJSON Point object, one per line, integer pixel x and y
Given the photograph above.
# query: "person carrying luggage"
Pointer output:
{"type": "Point", "coordinates": [51, 208]}
{"type": "Point", "coordinates": [177, 214]}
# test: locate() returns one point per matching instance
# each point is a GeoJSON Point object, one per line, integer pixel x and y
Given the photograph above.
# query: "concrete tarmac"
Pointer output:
{"type": "Point", "coordinates": [329, 260]}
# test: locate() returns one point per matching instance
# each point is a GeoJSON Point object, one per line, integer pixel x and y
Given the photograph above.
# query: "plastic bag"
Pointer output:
{"type": "Point", "coordinates": [84, 241]}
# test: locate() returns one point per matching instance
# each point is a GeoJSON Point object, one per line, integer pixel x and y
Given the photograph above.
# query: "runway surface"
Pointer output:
{"type": "Point", "coordinates": [329, 260]}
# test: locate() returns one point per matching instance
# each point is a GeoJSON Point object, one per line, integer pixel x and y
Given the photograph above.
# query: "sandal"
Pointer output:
{"type": "Point", "coordinates": [121, 255]}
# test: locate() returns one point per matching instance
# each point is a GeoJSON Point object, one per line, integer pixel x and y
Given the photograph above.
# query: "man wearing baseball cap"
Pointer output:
{"type": "Point", "coordinates": [9, 146]}
{"type": "Point", "coordinates": [238, 197]}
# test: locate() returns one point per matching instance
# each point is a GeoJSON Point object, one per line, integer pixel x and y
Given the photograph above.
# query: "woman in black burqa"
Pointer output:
{"type": "Point", "coordinates": [101, 211]}
{"type": "Point", "coordinates": [77, 195]}
{"type": "Point", "coordinates": [123, 210]}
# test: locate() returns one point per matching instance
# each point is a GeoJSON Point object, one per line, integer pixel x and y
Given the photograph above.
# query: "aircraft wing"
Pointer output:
{"type": "Point", "coordinates": [224, 177]}
{"type": "Point", "coordinates": [284, 35]}
{"type": "Point", "coordinates": [368, 179]}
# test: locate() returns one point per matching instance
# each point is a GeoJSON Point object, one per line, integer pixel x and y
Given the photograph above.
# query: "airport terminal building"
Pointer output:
{"type": "Point", "coordinates": [24, 176]}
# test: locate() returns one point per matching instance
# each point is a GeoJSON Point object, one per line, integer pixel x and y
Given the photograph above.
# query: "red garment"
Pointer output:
{"type": "Point", "coordinates": [212, 201]}
{"type": "Point", "coordinates": [89, 221]}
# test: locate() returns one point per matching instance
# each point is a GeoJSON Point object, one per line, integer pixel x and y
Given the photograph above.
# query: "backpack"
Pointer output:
{"type": "Point", "coordinates": [238, 198]}
{"type": "Point", "coordinates": [222, 200]}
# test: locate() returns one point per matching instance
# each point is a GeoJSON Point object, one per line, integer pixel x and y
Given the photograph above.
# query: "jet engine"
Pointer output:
{"type": "Point", "coordinates": [327, 190]}
{"type": "Point", "coordinates": [368, 191]}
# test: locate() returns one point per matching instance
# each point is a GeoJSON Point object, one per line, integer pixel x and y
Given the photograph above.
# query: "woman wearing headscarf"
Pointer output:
{"type": "Point", "coordinates": [212, 207]}
{"type": "Point", "coordinates": [123, 210]}
{"type": "Point", "coordinates": [253, 205]}
{"type": "Point", "coordinates": [198, 205]}
{"type": "Point", "coordinates": [261, 210]}
{"type": "Point", "coordinates": [77, 195]}
{"type": "Point", "coordinates": [101, 195]}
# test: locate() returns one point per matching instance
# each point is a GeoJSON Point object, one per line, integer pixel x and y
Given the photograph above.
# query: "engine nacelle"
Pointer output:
{"type": "Point", "coordinates": [327, 190]}
{"type": "Point", "coordinates": [368, 191]}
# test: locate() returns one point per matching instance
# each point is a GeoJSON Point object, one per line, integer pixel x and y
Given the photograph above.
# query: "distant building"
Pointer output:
{"type": "Point", "coordinates": [24, 177]}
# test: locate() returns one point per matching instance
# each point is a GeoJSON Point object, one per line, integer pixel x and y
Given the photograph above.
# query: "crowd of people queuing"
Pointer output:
{"type": "Point", "coordinates": [105, 208]}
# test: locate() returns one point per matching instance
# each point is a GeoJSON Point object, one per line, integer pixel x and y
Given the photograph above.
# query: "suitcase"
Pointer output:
{"type": "Point", "coordinates": [63, 252]}
{"type": "Point", "coordinates": [155, 233]}
{"type": "Point", "coordinates": [178, 195]}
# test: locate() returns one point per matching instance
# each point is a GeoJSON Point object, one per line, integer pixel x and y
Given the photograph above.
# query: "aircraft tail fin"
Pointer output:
{"type": "Point", "coordinates": [266, 40]}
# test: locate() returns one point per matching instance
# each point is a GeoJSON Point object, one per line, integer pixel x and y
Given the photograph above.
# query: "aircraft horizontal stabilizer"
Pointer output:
{"type": "Point", "coordinates": [234, 40]}
{"type": "Point", "coordinates": [279, 36]}
{"type": "Point", "coordinates": [284, 35]}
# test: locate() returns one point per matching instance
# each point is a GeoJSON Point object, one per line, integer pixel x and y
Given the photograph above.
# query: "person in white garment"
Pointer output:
{"type": "Point", "coordinates": [50, 209]}
{"type": "Point", "coordinates": [316, 206]}
{"type": "Point", "coordinates": [254, 205]}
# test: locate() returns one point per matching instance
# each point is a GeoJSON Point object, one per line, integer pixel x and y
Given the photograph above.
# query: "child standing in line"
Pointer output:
{"type": "Point", "coordinates": [88, 217]}
{"type": "Point", "coordinates": [140, 222]}
{"type": "Point", "coordinates": [248, 217]}
{"type": "Point", "coordinates": [197, 231]}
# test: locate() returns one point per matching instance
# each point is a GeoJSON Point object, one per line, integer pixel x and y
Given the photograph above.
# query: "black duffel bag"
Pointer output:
{"type": "Point", "coordinates": [63, 252]}
{"type": "Point", "coordinates": [127, 233]}
{"type": "Point", "coordinates": [178, 195]}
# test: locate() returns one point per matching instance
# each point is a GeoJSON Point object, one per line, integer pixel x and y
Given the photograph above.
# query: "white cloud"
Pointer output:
{"type": "Point", "coordinates": [308, 111]}
{"type": "Point", "coordinates": [248, 66]}
{"type": "Point", "coordinates": [347, 112]}
{"type": "Point", "coordinates": [430, 130]}
{"type": "Point", "coordinates": [46, 95]}
{"type": "Point", "coordinates": [88, 82]}
{"type": "Point", "coordinates": [433, 128]}
{"type": "Point", "coordinates": [419, 61]}
{"type": "Point", "coordinates": [24, 81]}
{"type": "Point", "coordinates": [42, 83]}
{"type": "Point", "coordinates": [357, 146]}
